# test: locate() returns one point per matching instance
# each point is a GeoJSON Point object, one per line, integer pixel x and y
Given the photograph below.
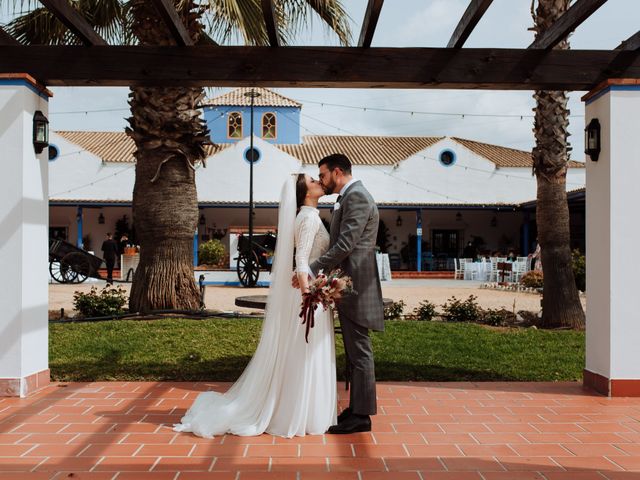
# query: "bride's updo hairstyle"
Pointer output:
{"type": "Point", "coordinates": [301, 190]}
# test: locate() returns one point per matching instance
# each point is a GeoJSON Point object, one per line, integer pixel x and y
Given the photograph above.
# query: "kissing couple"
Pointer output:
{"type": "Point", "coordinates": [289, 386]}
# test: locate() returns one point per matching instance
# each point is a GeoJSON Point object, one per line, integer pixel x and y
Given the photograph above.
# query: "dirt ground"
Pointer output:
{"type": "Point", "coordinates": [412, 292]}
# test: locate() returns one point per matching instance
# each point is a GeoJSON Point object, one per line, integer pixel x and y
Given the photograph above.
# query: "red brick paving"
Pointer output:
{"type": "Point", "coordinates": [452, 431]}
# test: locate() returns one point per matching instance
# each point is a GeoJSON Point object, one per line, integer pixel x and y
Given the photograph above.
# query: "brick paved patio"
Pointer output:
{"type": "Point", "coordinates": [480, 431]}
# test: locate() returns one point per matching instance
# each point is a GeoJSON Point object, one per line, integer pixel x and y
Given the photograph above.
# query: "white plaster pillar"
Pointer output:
{"type": "Point", "coordinates": [24, 218]}
{"type": "Point", "coordinates": [613, 235]}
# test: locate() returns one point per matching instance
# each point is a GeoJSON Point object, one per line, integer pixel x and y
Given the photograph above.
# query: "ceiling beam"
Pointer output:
{"type": "Point", "coordinates": [6, 39]}
{"type": "Point", "coordinates": [369, 23]}
{"type": "Point", "coordinates": [566, 23]}
{"type": "Point", "coordinates": [75, 22]}
{"type": "Point", "coordinates": [339, 67]}
{"type": "Point", "coordinates": [631, 43]}
{"type": "Point", "coordinates": [269, 13]}
{"type": "Point", "coordinates": [468, 22]}
{"type": "Point", "coordinates": [169, 15]}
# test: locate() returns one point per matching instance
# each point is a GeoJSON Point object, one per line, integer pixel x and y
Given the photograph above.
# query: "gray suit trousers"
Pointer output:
{"type": "Point", "coordinates": [357, 344]}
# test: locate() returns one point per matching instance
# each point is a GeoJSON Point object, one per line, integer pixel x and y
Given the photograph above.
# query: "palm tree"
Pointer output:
{"type": "Point", "coordinates": [561, 305]}
{"type": "Point", "coordinates": [166, 125]}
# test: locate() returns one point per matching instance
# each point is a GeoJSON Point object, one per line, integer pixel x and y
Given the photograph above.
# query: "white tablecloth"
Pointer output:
{"type": "Point", "coordinates": [384, 268]}
{"type": "Point", "coordinates": [477, 271]}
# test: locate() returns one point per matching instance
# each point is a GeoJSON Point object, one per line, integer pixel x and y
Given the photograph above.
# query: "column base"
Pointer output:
{"type": "Point", "coordinates": [611, 387]}
{"type": "Point", "coordinates": [25, 386]}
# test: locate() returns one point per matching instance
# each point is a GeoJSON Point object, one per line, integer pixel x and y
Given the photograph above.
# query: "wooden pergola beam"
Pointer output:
{"type": "Point", "coordinates": [6, 39]}
{"type": "Point", "coordinates": [567, 23]}
{"type": "Point", "coordinates": [75, 22]}
{"type": "Point", "coordinates": [468, 22]}
{"type": "Point", "coordinates": [631, 43]}
{"type": "Point", "coordinates": [339, 67]}
{"type": "Point", "coordinates": [170, 17]}
{"type": "Point", "coordinates": [369, 23]}
{"type": "Point", "coordinates": [269, 13]}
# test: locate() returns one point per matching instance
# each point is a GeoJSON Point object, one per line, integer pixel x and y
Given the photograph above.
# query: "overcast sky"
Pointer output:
{"type": "Point", "coordinates": [405, 23]}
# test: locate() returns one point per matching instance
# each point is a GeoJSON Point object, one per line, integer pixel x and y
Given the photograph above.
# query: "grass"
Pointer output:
{"type": "Point", "coordinates": [219, 349]}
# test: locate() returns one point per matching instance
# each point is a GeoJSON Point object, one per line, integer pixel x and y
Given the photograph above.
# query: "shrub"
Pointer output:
{"type": "Point", "coordinates": [498, 317]}
{"type": "Point", "coordinates": [394, 311]}
{"type": "Point", "coordinates": [211, 252]}
{"type": "Point", "coordinates": [425, 311]}
{"type": "Point", "coordinates": [110, 301]}
{"type": "Point", "coordinates": [579, 269]}
{"type": "Point", "coordinates": [462, 311]}
{"type": "Point", "coordinates": [532, 279]}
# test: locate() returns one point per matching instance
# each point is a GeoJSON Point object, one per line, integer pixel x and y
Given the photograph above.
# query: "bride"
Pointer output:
{"type": "Point", "coordinates": [289, 386]}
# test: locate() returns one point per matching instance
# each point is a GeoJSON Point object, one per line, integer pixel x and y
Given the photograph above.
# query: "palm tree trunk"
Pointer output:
{"type": "Point", "coordinates": [561, 305]}
{"type": "Point", "coordinates": [170, 136]}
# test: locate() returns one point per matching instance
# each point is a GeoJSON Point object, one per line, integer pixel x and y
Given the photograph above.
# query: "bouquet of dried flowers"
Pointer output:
{"type": "Point", "coordinates": [325, 290]}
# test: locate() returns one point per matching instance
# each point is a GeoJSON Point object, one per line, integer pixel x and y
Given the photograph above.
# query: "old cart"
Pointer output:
{"type": "Point", "coordinates": [70, 264]}
{"type": "Point", "coordinates": [252, 257]}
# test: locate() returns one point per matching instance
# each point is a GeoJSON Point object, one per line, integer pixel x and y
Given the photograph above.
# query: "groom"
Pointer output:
{"type": "Point", "coordinates": [354, 228]}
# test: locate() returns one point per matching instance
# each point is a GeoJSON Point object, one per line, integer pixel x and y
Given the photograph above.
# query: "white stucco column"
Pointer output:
{"type": "Point", "coordinates": [613, 235]}
{"type": "Point", "coordinates": [24, 348]}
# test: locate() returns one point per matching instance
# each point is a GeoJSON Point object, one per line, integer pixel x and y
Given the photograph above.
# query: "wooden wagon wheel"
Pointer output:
{"type": "Point", "coordinates": [248, 268]}
{"type": "Point", "coordinates": [61, 272]}
{"type": "Point", "coordinates": [78, 263]}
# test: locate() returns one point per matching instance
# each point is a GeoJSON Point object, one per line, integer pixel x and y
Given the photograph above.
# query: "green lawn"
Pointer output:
{"type": "Point", "coordinates": [219, 349]}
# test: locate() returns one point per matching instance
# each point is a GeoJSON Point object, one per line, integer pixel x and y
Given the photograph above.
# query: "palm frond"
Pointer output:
{"type": "Point", "coordinates": [296, 13]}
{"type": "Point", "coordinates": [40, 27]}
{"type": "Point", "coordinates": [36, 25]}
{"type": "Point", "coordinates": [244, 18]}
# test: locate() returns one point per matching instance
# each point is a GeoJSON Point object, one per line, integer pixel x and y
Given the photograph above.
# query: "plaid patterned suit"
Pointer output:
{"type": "Point", "coordinates": [353, 232]}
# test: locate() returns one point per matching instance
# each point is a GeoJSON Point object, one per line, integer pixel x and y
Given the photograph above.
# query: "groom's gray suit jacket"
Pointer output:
{"type": "Point", "coordinates": [353, 233]}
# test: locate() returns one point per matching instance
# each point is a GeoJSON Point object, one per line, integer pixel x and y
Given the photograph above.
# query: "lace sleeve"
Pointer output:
{"type": "Point", "coordinates": [306, 230]}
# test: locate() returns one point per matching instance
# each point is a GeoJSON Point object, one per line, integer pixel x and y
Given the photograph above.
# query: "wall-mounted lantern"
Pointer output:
{"type": "Point", "coordinates": [101, 219]}
{"type": "Point", "coordinates": [494, 221]}
{"type": "Point", "coordinates": [202, 219]}
{"type": "Point", "coordinates": [458, 217]}
{"type": "Point", "coordinates": [399, 221]}
{"type": "Point", "coordinates": [592, 139]}
{"type": "Point", "coordinates": [40, 131]}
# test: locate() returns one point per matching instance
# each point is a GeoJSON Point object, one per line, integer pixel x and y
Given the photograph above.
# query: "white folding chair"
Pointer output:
{"type": "Point", "coordinates": [493, 273]}
{"type": "Point", "coordinates": [519, 269]}
{"type": "Point", "coordinates": [458, 272]}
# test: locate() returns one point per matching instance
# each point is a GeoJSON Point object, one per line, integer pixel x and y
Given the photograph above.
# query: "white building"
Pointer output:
{"type": "Point", "coordinates": [452, 190]}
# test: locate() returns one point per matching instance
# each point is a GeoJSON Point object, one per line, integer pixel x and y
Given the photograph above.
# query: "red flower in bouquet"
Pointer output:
{"type": "Point", "coordinates": [325, 290]}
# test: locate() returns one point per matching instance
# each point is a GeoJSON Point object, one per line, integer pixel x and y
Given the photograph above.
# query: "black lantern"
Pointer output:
{"type": "Point", "coordinates": [40, 131]}
{"type": "Point", "coordinates": [399, 221]}
{"type": "Point", "coordinates": [101, 219]}
{"type": "Point", "coordinates": [458, 217]}
{"type": "Point", "coordinates": [592, 139]}
{"type": "Point", "coordinates": [202, 219]}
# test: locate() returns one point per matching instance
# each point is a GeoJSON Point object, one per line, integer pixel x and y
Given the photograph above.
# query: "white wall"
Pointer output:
{"type": "Point", "coordinates": [613, 329]}
{"type": "Point", "coordinates": [420, 178]}
{"type": "Point", "coordinates": [23, 237]}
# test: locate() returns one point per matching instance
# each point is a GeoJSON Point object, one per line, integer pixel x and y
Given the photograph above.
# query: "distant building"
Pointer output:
{"type": "Point", "coordinates": [448, 190]}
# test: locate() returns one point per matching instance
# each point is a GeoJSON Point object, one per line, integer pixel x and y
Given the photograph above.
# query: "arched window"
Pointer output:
{"type": "Point", "coordinates": [269, 125]}
{"type": "Point", "coordinates": [234, 125]}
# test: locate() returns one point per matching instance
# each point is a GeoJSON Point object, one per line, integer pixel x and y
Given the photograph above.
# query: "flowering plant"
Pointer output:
{"type": "Point", "coordinates": [324, 290]}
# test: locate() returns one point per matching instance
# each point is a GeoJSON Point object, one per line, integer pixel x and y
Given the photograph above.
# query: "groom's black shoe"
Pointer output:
{"type": "Point", "coordinates": [352, 424]}
{"type": "Point", "coordinates": [346, 413]}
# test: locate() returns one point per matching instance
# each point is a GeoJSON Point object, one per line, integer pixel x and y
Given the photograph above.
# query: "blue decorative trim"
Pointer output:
{"type": "Point", "coordinates": [447, 150]}
{"type": "Point", "coordinates": [617, 88]}
{"type": "Point", "coordinates": [24, 83]}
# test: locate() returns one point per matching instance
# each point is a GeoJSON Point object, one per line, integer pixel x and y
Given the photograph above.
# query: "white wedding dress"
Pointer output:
{"type": "Point", "coordinates": [289, 386]}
